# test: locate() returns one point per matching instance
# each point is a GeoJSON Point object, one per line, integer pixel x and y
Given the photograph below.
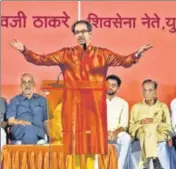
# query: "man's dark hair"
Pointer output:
{"type": "Point", "coordinates": [88, 24]}
{"type": "Point", "coordinates": [150, 81]}
{"type": "Point", "coordinates": [114, 77]}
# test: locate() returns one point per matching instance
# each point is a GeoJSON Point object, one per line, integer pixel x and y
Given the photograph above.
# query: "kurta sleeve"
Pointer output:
{"type": "Point", "coordinates": [55, 58]}
{"type": "Point", "coordinates": [135, 124]}
{"type": "Point", "coordinates": [166, 115]}
{"type": "Point", "coordinates": [165, 126]}
{"type": "Point", "coordinates": [124, 116]}
{"type": "Point", "coordinates": [114, 59]}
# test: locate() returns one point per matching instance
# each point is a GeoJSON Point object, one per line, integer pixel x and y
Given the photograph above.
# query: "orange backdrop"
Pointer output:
{"type": "Point", "coordinates": [158, 63]}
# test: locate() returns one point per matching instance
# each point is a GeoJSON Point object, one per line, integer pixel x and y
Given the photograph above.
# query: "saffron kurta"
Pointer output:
{"type": "Point", "coordinates": [84, 105]}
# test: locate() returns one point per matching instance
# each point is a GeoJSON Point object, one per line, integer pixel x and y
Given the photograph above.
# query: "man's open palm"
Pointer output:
{"type": "Point", "coordinates": [17, 45]}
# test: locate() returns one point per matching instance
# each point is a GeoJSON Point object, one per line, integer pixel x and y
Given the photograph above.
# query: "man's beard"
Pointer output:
{"type": "Point", "coordinates": [110, 94]}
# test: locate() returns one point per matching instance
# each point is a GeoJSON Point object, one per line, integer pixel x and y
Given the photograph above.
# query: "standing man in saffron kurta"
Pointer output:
{"type": "Point", "coordinates": [83, 67]}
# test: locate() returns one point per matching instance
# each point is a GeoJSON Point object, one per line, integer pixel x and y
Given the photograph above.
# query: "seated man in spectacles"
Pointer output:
{"type": "Point", "coordinates": [27, 113]}
{"type": "Point", "coordinates": [150, 124]}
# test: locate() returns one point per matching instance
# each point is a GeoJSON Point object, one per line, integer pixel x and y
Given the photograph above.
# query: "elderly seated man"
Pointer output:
{"type": "Point", "coordinates": [150, 123]}
{"type": "Point", "coordinates": [27, 113]}
{"type": "Point", "coordinates": [173, 119]}
{"type": "Point", "coordinates": [3, 122]}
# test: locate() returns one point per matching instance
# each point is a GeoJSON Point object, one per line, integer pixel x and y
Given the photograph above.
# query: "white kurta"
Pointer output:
{"type": "Point", "coordinates": [117, 113]}
{"type": "Point", "coordinates": [173, 114]}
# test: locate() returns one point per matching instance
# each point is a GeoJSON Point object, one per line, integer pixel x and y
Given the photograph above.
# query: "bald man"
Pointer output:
{"type": "Point", "coordinates": [27, 113]}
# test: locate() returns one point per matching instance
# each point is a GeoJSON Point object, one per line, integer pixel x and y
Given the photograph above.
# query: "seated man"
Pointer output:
{"type": "Point", "coordinates": [117, 121]}
{"type": "Point", "coordinates": [173, 120]}
{"type": "Point", "coordinates": [27, 113]}
{"type": "Point", "coordinates": [150, 123]}
{"type": "Point", "coordinates": [3, 123]}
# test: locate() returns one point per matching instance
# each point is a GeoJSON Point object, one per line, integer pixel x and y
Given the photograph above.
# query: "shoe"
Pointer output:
{"type": "Point", "coordinates": [16, 142]}
{"type": "Point", "coordinates": [157, 164]}
{"type": "Point", "coordinates": [146, 165]}
{"type": "Point", "coordinates": [41, 141]}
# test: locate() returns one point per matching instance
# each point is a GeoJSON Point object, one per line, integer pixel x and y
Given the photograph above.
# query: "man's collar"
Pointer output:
{"type": "Point", "coordinates": [79, 47]}
{"type": "Point", "coordinates": [110, 99]}
{"type": "Point", "coordinates": [23, 97]}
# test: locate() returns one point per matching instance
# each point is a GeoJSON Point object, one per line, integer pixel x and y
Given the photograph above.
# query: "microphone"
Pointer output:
{"type": "Point", "coordinates": [84, 46]}
{"type": "Point", "coordinates": [57, 84]}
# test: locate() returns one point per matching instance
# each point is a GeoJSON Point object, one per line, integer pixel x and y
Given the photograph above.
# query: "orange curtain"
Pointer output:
{"type": "Point", "coordinates": [52, 157]}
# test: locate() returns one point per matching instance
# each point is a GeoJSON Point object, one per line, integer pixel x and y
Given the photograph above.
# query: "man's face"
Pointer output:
{"type": "Point", "coordinates": [27, 85]}
{"type": "Point", "coordinates": [112, 87]}
{"type": "Point", "coordinates": [149, 91]}
{"type": "Point", "coordinates": [81, 33]}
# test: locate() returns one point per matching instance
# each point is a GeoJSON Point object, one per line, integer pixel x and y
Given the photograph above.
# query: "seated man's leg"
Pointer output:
{"type": "Point", "coordinates": [148, 138]}
{"type": "Point", "coordinates": [3, 138]}
{"type": "Point", "coordinates": [174, 142]}
{"type": "Point", "coordinates": [124, 147]}
{"type": "Point", "coordinates": [164, 155]}
{"type": "Point", "coordinates": [30, 136]}
{"type": "Point", "coordinates": [26, 134]}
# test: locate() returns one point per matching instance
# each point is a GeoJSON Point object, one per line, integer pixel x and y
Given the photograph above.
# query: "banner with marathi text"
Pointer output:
{"type": "Point", "coordinates": [123, 27]}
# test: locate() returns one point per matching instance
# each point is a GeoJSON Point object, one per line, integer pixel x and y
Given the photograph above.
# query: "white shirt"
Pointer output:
{"type": "Point", "coordinates": [173, 114]}
{"type": "Point", "coordinates": [117, 113]}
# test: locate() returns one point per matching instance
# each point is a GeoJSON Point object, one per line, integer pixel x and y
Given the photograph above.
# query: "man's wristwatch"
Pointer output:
{"type": "Point", "coordinates": [137, 55]}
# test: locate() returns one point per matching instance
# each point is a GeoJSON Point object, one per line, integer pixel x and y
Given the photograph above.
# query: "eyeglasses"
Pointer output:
{"type": "Point", "coordinates": [28, 82]}
{"type": "Point", "coordinates": [81, 31]}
